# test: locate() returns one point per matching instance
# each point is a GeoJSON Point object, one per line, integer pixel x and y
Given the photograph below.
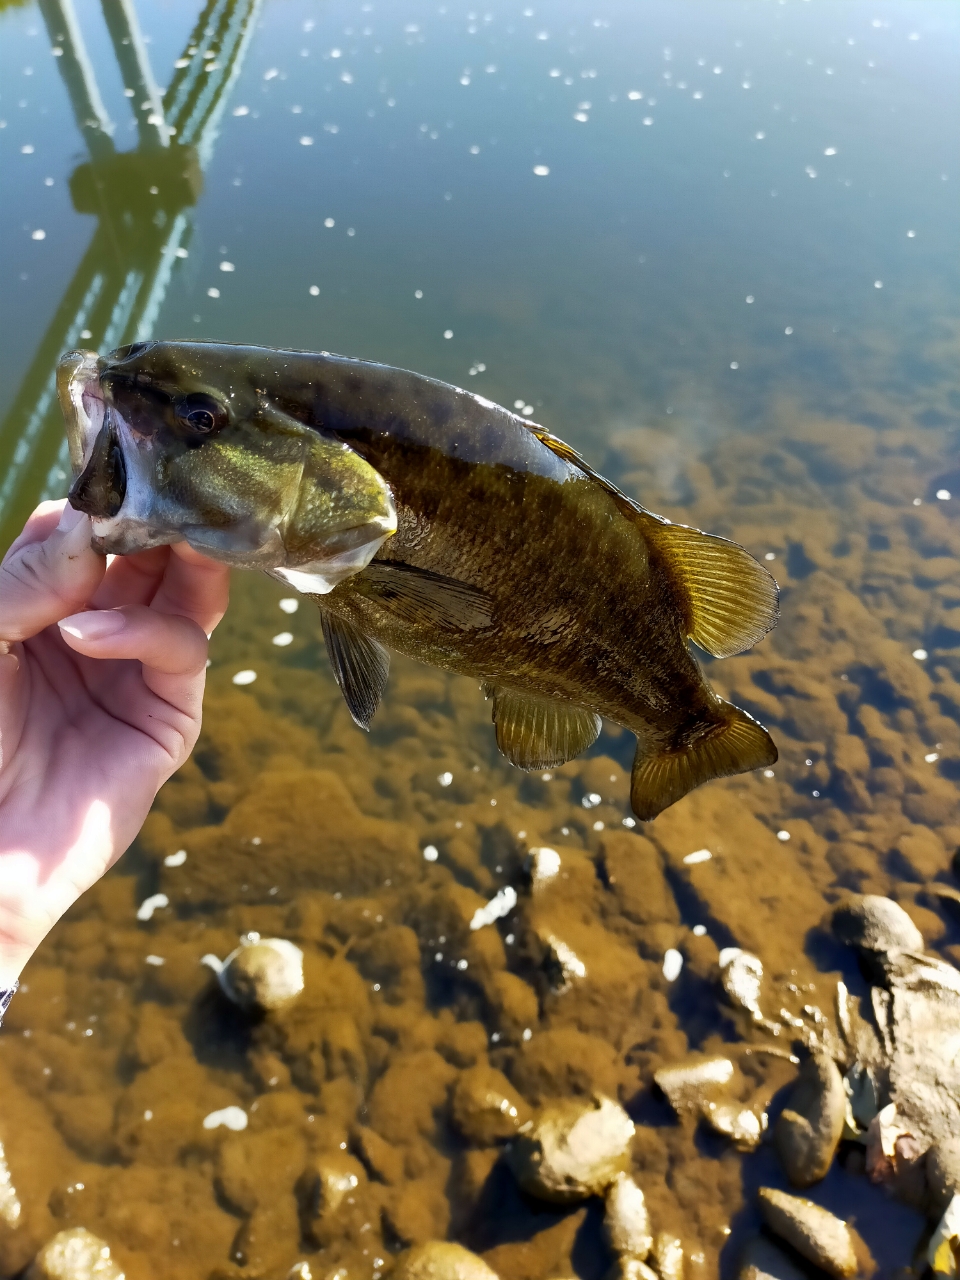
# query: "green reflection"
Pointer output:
{"type": "Point", "coordinates": [143, 201]}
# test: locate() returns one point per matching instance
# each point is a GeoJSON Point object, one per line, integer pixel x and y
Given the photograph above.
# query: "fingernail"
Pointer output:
{"type": "Point", "coordinates": [96, 625]}
{"type": "Point", "coordinates": [70, 517]}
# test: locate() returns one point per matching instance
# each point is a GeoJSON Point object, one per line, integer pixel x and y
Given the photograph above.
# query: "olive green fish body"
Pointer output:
{"type": "Point", "coordinates": [432, 522]}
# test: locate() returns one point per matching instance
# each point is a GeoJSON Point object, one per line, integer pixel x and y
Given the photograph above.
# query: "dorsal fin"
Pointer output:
{"type": "Point", "coordinates": [420, 596]}
{"type": "Point", "coordinates": [360, 666]}
{"type": "Point", "coordinates": [541, 733]}
{"type": "Point", "coordinates": [729, 599]}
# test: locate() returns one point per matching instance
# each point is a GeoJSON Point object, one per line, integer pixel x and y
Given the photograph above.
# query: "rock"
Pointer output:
{"type": "Point", "coordinates": [742, 976]}
{"type": "Point", "coordinates": [943, 1172]}
{"type": "Point", "coordinates": [263, 973]}
{"type": "Point", "coordinates": [75, 1254]}
{"type": "Point", "coordinates": [572, 1150]}
{"type": "Point", "coordinates": [10, 1207]}
{"type": "Point", "coordinates": [380, 1156]}
{"type": "Point", "coordinates": [626, 1222]}
{"type": "Point", "coordinates": [762, 1260]}
{"type": "Point", "coordinates": [631, 1269]}
{"type": "Point", "coordinates": [873, 923]}
{"type": "Point", "coordinates": [811, 1125]}
{"type": "Point", "coordinates": [486, 1107]}
{"type": "Point", "coordinates": [689, 1087]}
{"type": "Point", "coordinates": [668, 1257]}
{"type": "Point", "coordinates": [326, 1182]}
{"type": "Point", "coordinates": [441, 1260]}
{"type": "Point", "coordinates": [740, 1124]}
{"type": "Point", "coordinates": [816, 1234]}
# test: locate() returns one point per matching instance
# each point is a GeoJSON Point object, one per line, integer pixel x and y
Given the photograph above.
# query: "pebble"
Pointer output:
{"type": "Point", "coordinates": [742, 975]}
{"type": "Point", "coordinates": [572, 1150]}
{"type": "Point", "coordinates": [740, 1124]}
{"type": "Point", "coordinates": [10, 1208]}
{"type": "Point", "coordinates": [626, 1222]}
{"type": "Point", "coordinates": [486, 1107]}
{"type": "Point", "coordinates": [816, 1234]}
{"type": "Point", "coordinates": [74, 1254]}
{"type": "Point", "coordinates": [873, 923]}
{"type": "Point", "coordinates": [668, 1257]}
{"type": "Point", "coordinates": [811, 1125]}
{"type": "Point", "coordinates": [441, 1260]}
{"type": "Point", "coordinates": [264, 973]}
{"type": "Point", "coordinates": [689, 1087]}
{"type": "Point", "coordinates": [762, 1260]}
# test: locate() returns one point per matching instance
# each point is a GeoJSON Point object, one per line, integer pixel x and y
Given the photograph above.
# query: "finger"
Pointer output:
{"type": "Point", "coordinates": [194, 587]}
{"type": "Point", "coordinates": [132, 579]}
{"type": "Point", "coordinates": [166, 643]}
{"type": "Point", "coordinates": [43, 581]}
{"type": "Point", "coordinates": [40, 524]}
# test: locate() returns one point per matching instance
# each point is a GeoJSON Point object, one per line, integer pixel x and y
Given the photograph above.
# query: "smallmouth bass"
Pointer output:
{"type": "Point", "coordinates": [428, 520]}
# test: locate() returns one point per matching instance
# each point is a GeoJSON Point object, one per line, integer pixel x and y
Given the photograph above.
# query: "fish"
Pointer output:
{"type": "Point", "coordinates": [426, 520]}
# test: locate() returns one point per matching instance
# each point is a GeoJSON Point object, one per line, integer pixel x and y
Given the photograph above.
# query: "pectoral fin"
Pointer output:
{"type": "Point", "coordinates": [360, 666]}
{"type": "Point", "coordinates": [419, 596]}
{"type": "Point", "coordinates": [540, 733]}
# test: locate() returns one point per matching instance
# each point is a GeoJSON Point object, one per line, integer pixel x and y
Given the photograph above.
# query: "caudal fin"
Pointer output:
{"type": "Point", "coordinates": [736, 744]}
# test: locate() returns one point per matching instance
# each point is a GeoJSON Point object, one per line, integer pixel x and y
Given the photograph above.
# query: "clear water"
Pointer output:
{"type": "Point", "coordinates": [713, 247]}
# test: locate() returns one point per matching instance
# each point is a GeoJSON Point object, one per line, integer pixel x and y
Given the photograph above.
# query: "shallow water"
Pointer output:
{"type": "Point", "coordinates": [737, 295]}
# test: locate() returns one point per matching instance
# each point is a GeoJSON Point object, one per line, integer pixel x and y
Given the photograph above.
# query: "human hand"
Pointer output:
{"type": "Point", "coordinates": [101, 685]}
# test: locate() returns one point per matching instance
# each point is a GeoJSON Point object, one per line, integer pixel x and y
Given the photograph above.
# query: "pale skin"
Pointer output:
{"type": "Point", "coordinates": [101, 684]}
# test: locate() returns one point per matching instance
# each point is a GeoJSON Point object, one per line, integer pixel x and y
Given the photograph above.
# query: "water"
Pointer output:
{"type": "Point", "coordinates": [737, 295]}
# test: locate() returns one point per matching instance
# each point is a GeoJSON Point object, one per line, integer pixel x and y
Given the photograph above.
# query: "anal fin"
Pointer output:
{"type": "Point", "coordinates": [541, 733]}
{"type": "Point", "coordinates": [735, 744]}
{"type": "Point", "coordinates": [422, 597]}
{"type": "Point", "coordinates": [360, 666]}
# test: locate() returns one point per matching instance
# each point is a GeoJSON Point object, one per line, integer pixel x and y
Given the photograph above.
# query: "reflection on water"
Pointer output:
{"type": "Point", "coordinates": [744, 345]}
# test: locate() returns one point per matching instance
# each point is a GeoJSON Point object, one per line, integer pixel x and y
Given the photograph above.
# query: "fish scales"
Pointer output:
{"type": "Point", "coordinates": [429, 521]}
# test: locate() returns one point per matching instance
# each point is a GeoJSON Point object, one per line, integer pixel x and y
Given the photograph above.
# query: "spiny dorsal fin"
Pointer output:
{"type": "Point", "coordinates": [735, 744]}
{"type": "Point", "coordinates": [360, 666]}
{"type": "Point", "coordinates": [419, 596]}
{"type": "Point", "coordinates": [541, 733]}
{"type": "Point", "coordinates": [730, 600]}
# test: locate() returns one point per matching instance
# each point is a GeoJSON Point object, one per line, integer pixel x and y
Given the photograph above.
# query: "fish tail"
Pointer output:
{"type": "Point", "coordinates": [735, 743]}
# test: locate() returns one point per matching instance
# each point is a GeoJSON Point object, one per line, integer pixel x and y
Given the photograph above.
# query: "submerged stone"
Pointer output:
{"type": "Point", "coordinates": [762, 1260]}
{"type": "Point", "coordinates": [690, 1086]}
{"type": "Point", "coordinates": [811, 1125]}
{"type": "Point", "coordinates": [626, 1222]}
{"type": "Point", "coordinates": [486, 1107]}
{"type": "Point", "coordinates": [441, 1260]}
{"type": "Point", "coordinates": [668, 1257]}
{"type": "Point", "coordinates": [572, 1150]}
{"type": "Point", "coordinates": [264, 973]}
{"type": "Point", "coordinates": [817, 1235]}
{"type": "Point", "coordinates": [874, 923]}
{"type": "Point", "coordinates": [74, 1254]}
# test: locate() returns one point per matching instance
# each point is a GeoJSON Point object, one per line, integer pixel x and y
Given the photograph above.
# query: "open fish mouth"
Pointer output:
{"type": "Point", "coordinates": [81, 399]}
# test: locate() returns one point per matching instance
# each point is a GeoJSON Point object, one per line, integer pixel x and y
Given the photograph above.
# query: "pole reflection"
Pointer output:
{"type": "Point", "coordinates": [143, 201]}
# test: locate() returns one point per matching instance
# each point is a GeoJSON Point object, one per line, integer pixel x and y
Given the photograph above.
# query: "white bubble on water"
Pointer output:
{"type": "Point", "coordinates": [314, 291]}
{"type": "Point", "coordinates": [175, 859]}
{"type": "Point", "coordinates": [921, 655]}
{"type": "Point", "coordinates": [943, 495]}
{"type": "Point", "coordinates": [241, 111]}
{"type": "Point", "coordinates": [448, 333]}
{"type": "Point", "coordinates": [282, 639]}
{"type": "Point", "coordinates": [672, 964]}
{"type": "Point", "coordinates": [245, 677]}
{"type": "Point", "coordinates": [431, 853]}
{"type": "Point", "coordinates": [541, 170]}
{"type": "Point", "coordinates": [38, 235]}
{"type": "Point", "coordinates": [289, 604]}
{"type": "Point", "coordinates": [329, 222]}
{"type": "Point", "coordinates": [213, 293]}
{"type": "Point", "coordinates": [234, 1118]}
{"type": "Point", "coordinates": [227, 266]}
{"type": "Point", "coordinates": [445, 779]}
{"type": "Point", "coordinates": [306, 141]}
{"type": "Point", "coordinates": [783, 836]}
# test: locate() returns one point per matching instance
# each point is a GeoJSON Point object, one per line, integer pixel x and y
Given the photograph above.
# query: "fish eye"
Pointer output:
{"type": "Point", "coordinates": [200, 414]}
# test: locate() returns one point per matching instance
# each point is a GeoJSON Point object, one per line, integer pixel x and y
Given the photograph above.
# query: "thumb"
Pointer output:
{"type": "Point", "coordinates": [41, 582]}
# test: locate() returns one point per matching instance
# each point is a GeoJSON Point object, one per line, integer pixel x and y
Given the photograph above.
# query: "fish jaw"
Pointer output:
{"type": "Point", "coordinates": [81, 400]}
